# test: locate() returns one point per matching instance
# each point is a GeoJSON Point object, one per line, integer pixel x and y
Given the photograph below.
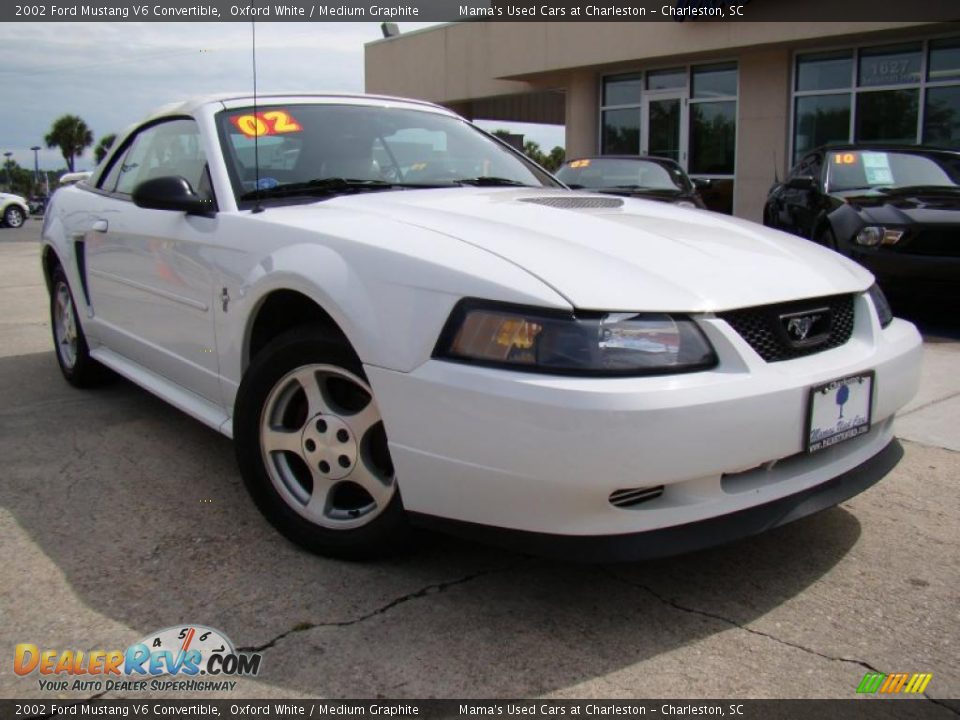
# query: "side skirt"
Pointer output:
{"type": "Point", "coordinates": [193, 405]}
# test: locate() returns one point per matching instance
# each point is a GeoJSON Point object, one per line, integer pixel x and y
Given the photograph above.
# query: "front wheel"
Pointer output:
{"type": "Point", "coordinates": [14, 216]}
{"type": "Point", "coordinates": [313, 450]}
{"type": "Point", "coordinates": [73, 354]}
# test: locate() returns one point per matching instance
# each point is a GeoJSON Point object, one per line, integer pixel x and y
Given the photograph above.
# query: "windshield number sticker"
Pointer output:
{"type": "Point", "coordinates": [580, 164]}
{"type": "Point", "coordinates": [845, 159]}
{"type": "Point", "coordinates": [272, 122]}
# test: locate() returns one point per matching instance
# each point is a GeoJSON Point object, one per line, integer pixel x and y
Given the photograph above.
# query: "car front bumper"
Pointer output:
{"type": "Point", "coordinates": [542, 454]}
{"type": "Point", "coordinates": [895, 267]}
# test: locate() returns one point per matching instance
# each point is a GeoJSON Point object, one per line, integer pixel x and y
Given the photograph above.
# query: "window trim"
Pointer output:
{"type": "Point", "coordinates": [121, 152]}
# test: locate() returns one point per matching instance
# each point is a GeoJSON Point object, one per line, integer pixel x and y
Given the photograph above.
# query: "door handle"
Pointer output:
{"type": "Point", "coordinates": [99, 226]}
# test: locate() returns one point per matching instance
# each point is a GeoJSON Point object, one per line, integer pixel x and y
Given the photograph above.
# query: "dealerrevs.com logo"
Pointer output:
{"type": "Point", "coordinates": [182, 658]}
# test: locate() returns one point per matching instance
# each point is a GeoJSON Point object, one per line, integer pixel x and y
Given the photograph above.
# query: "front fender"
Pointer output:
{"type": "Point", "coordinates": [845, 222]}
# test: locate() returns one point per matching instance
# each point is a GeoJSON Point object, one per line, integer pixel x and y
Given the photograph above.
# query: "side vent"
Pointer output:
{"type": "Point", "coordinates": [630, 497]}
{"type": "Point", "coordinates": [80, 250]}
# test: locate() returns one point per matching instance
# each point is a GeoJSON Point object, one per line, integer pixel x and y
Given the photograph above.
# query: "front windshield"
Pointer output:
{"type": "Point", "coordinates": [885, 170]}
{"type": "Point", "coordinates": [383, 147]}
{"type": "Point", "coordinates": [599, 174]}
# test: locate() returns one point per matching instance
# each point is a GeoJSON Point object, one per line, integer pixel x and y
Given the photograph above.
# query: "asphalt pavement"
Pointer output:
{"type": "Point", "coordinates": [120, 516]}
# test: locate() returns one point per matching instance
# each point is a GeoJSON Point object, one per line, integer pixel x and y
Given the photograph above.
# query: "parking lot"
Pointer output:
{"type": "Point", "coordinates": [120, 516]}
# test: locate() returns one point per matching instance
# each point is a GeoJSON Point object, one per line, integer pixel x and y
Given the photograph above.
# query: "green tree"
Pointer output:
{"type": "Point", "coordinates": [71, 135]}
{"type": "Point", "coordinates": [103, 147]}
{"type": "Point", "coordinates": [554, 160]}
{"type": "Point", "coordinates": [18, 180]}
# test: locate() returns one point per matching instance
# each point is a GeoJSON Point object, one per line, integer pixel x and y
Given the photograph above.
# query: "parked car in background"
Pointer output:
{"type": "Point", "coordinates": [652, 178]}
{"type": "Point", "coordinates": [37, 204]}
{"type": "Point", "coordinates": [13, 210]}
{"type": "Point", "coordinates": [400, 320]}
{"type": "Point", "coordinates": [894, 209]}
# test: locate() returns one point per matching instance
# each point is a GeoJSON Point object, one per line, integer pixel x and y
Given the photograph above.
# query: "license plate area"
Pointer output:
{"type": "Point", "coordinates": [839, 410]}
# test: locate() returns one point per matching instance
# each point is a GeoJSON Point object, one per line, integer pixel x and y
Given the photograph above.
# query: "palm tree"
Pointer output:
{"type": "Point", "coordinates": [71, 135]}
{"type": "Point", "coordinates": [103, 147]}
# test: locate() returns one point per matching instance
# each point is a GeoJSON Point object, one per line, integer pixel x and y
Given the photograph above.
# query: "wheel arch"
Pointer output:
{"type": "Point", "coordinates": [280, 310]}
{"type": "Point", "coordinates": [49, 261]}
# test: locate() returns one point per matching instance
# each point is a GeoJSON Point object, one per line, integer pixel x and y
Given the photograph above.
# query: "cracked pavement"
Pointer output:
{"type": "Point", "coordinates": [119, 516]}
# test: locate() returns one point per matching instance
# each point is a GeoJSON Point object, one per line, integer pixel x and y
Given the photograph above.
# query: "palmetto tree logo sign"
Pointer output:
{"type": "Point", "coordinates": [843, 394]}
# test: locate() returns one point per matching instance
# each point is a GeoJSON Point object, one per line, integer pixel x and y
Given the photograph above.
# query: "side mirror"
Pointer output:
{"type": "Point", "coordinates": [801, 182]}
{"type": "Point", "coordinates": [702, 183]}
{"type": "Point", "coordinates": [171, 192]}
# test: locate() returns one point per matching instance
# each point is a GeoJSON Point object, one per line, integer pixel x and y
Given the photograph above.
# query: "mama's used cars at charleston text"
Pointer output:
{"type": "Point", "coordinates": [400, 320]}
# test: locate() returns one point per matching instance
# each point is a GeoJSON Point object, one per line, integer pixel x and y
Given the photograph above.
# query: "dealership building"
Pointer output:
{"type": "Point", "coordinates": [733, 102]}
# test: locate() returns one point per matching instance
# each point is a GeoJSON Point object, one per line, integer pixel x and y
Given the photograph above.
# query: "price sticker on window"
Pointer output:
{"type": "Point", "coordinates": [271, 122]}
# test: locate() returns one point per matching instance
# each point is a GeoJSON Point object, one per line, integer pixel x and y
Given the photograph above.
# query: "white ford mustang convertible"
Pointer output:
{"type": "Point", "coordinates": [401, 321]}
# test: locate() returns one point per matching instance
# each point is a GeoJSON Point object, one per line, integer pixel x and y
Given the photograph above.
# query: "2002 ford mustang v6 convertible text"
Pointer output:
{"type": "Point", "coordinates": [400, 320]}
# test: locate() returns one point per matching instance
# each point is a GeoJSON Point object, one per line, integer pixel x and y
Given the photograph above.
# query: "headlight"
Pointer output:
{"type": "Point", "coordinates": [685, 203]}
{"type": "Point", "coordinates": [870, 236]}
{"type": "Point", "coordinates": [884, 313]}
{"type": "Point", "coordinates": [616, 343]}
{"type": "Point", "coordinates": [874, 235]}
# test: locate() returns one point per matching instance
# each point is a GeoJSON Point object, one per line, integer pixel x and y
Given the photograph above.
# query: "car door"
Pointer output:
{"type": "Point", "coordinates": [149, 271]}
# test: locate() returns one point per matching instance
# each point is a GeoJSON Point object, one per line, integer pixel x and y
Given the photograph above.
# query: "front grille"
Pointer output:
{"type": "Point", "coordinates": [575, 203]}
{"type": "Point", "coordinates": [761, 326]}
{"type": "Point", "coordinates": [942, 242]}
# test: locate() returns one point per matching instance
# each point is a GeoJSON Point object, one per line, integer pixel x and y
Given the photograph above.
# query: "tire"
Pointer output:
{"type": "Point", "coordinates": [69, 342]}
{"type": "Point", "coordinates": [312, 449]}
{"type": "Point", "coordinates": [14, 216]}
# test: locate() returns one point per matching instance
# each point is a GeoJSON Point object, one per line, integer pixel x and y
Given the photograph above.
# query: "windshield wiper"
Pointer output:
{"type": "Point", "coordinates": [490, 181]}
{"type": "Point", "coordinates": [318, 186]}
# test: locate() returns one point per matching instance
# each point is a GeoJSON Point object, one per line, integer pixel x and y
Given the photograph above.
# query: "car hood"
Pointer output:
{"type": "Point", "coordinates": [11, 196]}
{"type": "Point", "coordinates": [905, 208]}
{"type": "Point", "coordinates": [612, 253]}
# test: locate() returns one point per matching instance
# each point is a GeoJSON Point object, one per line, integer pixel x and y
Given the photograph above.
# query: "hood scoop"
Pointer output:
{"type": "Point", "coordinates": [575, 203]}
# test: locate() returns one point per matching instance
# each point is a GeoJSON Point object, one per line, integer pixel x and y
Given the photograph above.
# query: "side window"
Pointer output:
{"type": "Point", "coordinates": [804, 167]}
{"type": "Point", "coordinates": [170, 148]}
{"type": "Point", "coordinates": [109, 182]}
{"type": "Point", "coordinates": [816, 167]}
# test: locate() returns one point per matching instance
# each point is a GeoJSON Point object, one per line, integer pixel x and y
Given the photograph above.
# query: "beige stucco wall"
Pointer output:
{"type": "Point", "coordinates": [583, 117]}
{"type": "Point", "coordinates": [469, 60]}
{"type": "Point", "coordinates": [762, 126]}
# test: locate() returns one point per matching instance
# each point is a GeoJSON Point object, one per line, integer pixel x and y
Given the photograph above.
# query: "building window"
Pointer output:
{"type": "Point", "coordinates": [688, 114]}
{"type": "Point", "coordinates": [621, 131]}
{"type": "Point", "coordinates": [713, 119]}
{"type": "Point", "coordinates": [620, 116]}
{"type": "Point", "coordinates": [905, 93]}
{"type": "Point", "coordinates": [667, 79]}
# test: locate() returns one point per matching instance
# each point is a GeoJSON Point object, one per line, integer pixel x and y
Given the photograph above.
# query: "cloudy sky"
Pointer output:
{"type": "Point", "coordinates": [113, 74]}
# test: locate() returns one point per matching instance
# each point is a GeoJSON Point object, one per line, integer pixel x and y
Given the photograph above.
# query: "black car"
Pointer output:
{"type": "Point", "coordinates": [652, 178]}
{"type": "Point", "coordinates": [894, 209]}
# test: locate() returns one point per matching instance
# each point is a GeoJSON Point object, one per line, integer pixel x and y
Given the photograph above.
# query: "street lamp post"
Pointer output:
{"type": "Point", "coordinates": [36, 164]}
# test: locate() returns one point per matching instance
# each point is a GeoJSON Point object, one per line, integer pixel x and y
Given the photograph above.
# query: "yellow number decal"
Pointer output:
{"type": "Point", "coordinates": [282, 121]}
{"type": "Point", "coordinates": [271, 122]}
{"type": "Point", "coordinates": [250, 125]}
{"type": "Point", "coordinates": [845, 159]}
